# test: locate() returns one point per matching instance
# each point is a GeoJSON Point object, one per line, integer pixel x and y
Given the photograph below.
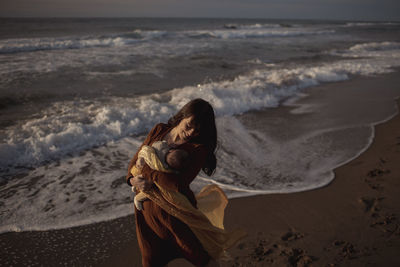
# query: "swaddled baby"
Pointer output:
{"type": "Point", "coordinates": [159, 157]}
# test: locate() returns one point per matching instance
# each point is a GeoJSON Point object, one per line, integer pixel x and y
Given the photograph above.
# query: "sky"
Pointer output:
{"type": "Point", "coordinates": [382, 10]}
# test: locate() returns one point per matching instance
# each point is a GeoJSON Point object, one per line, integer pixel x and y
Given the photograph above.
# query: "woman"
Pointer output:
{"type": "Point", "coordinates": [161, 236]}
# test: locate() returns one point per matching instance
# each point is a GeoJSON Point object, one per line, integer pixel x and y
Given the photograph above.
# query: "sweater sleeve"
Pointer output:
{"type": "Point", "coordinates": [147, 141]}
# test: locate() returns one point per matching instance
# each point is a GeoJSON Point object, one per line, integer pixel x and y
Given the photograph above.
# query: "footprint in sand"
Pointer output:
{"type": "Point", "coordinates": [388, 224]}
{"type": "Point", "coordinates": [292, 235]}
{"type": "Point", "coordinates": [374, 176]}
{"type": "Point", "coordinates": [371, 203]}
{"type": "Point", "coordinates": [280, 253]}
{"type": "Point", "coordinates": [378, 172]}
{"type": "Point", "coordinates": [346, 250]}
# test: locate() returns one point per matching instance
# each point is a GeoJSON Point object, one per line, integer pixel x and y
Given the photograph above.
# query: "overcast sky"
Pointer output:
{"type": "Point", "coordinates": [292, 9]}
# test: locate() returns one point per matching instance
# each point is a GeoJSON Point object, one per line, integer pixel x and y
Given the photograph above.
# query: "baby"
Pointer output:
{"type": "Point", "coordinates": [159, 157]}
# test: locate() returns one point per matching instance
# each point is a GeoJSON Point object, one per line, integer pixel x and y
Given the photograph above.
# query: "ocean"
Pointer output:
{"type": "Point", "coordinates": [78, 96]}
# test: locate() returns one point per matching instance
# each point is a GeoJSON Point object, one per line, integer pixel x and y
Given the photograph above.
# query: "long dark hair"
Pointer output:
{"type": "Point", "coordinates": [204, 121]}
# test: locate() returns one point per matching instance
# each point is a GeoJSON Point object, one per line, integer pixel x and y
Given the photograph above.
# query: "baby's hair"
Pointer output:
{"type": "Point", "coordinates": [176, 158]}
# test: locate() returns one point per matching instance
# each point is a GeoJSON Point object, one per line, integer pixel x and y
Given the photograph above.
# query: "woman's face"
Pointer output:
{"type": "Point", "coordinates": [186, 129]}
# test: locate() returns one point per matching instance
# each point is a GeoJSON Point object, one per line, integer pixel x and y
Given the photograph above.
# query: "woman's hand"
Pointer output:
{"type": "Point", "coordinates": [140, 163]}
{"type": "Point", "coordinates": [140, 183]}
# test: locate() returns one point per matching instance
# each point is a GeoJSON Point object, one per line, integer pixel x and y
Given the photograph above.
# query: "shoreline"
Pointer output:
{"type": "Point", "coordinates": [289, 104]}
{"type": "Point", "coordinates": [353, 221]}
{"type": "Point", "coordinates": [287, 237]}
{"type": "Point", "coordinates": [298, 109]}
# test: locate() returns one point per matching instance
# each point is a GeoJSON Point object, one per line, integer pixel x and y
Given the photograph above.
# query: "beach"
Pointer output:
{"type": "Point", "coordinates": [352, 221]}
{"type": "Point", "coordinates": [296, 105]}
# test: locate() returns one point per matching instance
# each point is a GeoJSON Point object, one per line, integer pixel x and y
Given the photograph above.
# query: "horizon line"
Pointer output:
{"type": "Point", "coordinates": [172, 17]}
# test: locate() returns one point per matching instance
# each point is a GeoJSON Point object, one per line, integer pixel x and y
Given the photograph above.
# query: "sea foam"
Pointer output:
{"type": "Point", "coordinates": [79, 149]}
{"type": "Point", "coordinates": [37, 44]}
{"type": "Point", "coordinates": [73, 126]}
{"type": "Point", "coordinates": [259, 31]}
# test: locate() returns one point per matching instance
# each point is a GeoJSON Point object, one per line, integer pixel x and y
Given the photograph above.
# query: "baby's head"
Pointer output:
{"type": "Point", "coordinates": [176, 158]}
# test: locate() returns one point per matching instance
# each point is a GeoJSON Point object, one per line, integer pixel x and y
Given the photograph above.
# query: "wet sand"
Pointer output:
{"type": "Point", "coordinates": [354, 221]}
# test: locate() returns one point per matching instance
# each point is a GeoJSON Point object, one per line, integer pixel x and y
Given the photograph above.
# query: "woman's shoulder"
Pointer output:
{"type": "Point", "coordinates": [156, 133]}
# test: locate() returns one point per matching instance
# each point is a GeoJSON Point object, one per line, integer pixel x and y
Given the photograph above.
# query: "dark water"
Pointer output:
{"type": "Point", "coordinates": [77, 96]}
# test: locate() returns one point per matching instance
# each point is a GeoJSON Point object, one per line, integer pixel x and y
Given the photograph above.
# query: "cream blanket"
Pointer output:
{"type": "Point", "coordinates": [206, 222]}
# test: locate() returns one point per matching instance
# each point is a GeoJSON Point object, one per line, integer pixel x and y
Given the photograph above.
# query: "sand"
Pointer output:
{"type": "Point", "coordinates": [354, 221]}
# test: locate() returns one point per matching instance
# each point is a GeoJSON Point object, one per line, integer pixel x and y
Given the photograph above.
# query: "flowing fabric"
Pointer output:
{"type": "Point", "coordinates": [206, 222]}
{"type": "Point", "coordinates": [212, 201]}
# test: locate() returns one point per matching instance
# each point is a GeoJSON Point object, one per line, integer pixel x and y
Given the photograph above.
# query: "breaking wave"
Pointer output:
{"type": "Point", "coordinates": [73, 126]}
